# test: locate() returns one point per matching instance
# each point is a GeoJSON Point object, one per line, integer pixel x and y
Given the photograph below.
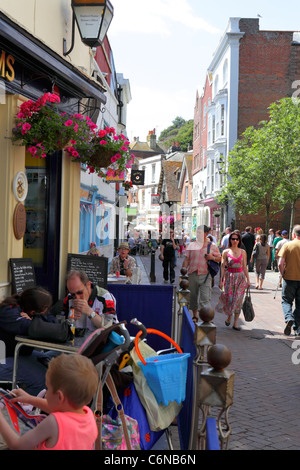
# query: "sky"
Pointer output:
{"type": "Point", "coordinates": [164, 48]}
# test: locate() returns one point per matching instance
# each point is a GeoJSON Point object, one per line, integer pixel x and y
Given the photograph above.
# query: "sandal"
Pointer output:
{"type": "Point", "coordinates": [236, 328]}
{"type": "Point", "coordinates": [227, 323]}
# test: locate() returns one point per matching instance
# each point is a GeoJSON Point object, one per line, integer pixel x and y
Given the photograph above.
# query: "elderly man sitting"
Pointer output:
{"type": "Point", "coordinates": [122, 262]}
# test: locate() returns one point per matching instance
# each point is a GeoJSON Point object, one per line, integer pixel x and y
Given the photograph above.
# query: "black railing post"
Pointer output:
{"type": "Point", "coordinates": [152, 272]}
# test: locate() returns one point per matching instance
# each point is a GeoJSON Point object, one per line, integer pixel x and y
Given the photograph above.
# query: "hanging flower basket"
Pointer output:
{"type": "Point", "coordinates": [109, 154]}
{"type": "Point", "coordinates": [43, 130]}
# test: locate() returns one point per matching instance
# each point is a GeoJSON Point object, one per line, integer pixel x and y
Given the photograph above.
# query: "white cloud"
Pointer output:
{"type": "Point", "coordinates": [156, 16]}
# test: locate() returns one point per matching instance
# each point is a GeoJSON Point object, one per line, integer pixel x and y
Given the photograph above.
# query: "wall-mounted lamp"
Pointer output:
{"type": "Point", "coordinates": [93, 18]}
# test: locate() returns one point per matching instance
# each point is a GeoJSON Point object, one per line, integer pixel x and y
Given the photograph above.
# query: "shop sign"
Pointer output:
{"type": "Point", "coordinates": [6, 66]}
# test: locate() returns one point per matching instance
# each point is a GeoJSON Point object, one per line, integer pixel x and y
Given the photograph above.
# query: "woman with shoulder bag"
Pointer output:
{"type": "Point", "coordinates": [234, 280]}
{"type": "Point", "coordinates": [262, 259]}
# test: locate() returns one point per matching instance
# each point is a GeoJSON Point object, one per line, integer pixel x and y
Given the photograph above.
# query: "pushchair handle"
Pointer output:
{"type": "Point", "coordinates": [126, 335]}
{"type": "Point", "coordinates": [157, 332]}
{"type": "Point", "coordinates": [140, 325]}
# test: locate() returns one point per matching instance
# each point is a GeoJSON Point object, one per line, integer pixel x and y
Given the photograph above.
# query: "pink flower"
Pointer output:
{"type": "Point", "coordinates": [116, 137]}
{"type": "Point", "coordinates": [75, 153]}
{"type": "Point", "coordinates": [113, 159]}
{"type": "Point", "coordinates": [26, 127]}
{"type": "Point", "coordinates": [68, 123]}
{"type": "Point", "coordinates": [124, 149]}
{"type": "Point", "coordinates": [103, 142]}
{"type": "Point", "coordinates": [118, 156]}
{"type": "Point", "coordinates": [32, 150]}
{"type": "Point", "coordinates": [102, 133]}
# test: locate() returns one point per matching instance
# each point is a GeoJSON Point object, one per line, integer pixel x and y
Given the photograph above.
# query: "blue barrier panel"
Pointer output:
{"type": "Point", "coordinates": [212, 438]}
{"type": "Point", "coordinates": [151, 305]}
{"type": "Point", "coordinates": [187, 345]}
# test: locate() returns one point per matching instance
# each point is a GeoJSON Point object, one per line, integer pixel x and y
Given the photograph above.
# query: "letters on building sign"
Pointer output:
{"type": "Point", "coordinates": [6, 66]}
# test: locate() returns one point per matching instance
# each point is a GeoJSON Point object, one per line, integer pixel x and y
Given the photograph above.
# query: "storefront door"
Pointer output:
{"type": "Point", "coordinates": [42, 205]}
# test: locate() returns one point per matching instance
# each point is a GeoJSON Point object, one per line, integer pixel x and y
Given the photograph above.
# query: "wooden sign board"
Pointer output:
{"type": "Point", "coordinates": [95, 267]}
{"type": "Point", "coordinates": [23, 274]}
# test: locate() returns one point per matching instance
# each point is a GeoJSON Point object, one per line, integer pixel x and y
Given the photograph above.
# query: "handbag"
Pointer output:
{"type": "Point", "coordinates": [212, 266]}
{"type": "Point", "coordinates": [45, 331]}
{"type": "Point", "coordinates": [121, 433]}
{"type": "Point", "coordinates": [247, 307]}
{"type": "Point", "coordinates": [255, 252]}
{"type": "Point", "coordinates": [133, 407]}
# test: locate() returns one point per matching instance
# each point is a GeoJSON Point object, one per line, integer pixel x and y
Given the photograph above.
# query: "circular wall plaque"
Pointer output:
{"type": "Point", "coordinates": [20, 186]}
{"type": "Point", "coordinates": [19, 221]}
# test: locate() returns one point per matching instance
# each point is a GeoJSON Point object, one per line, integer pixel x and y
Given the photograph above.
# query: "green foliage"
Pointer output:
{"type": "Point", "coordinates": [180, 131]}
{"type": "Point", "coordinates": [263, 168]}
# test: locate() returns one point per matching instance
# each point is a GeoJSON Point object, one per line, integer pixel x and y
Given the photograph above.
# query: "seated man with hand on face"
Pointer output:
{"type": "Point", "coordinates": [123, 263]}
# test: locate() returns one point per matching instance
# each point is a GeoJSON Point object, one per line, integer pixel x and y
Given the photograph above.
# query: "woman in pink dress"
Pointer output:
{"type": "Point", "coordinates": [234, 279]}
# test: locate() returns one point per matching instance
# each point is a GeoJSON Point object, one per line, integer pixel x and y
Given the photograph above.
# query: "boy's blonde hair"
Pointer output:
{"type": "Point", "coordinates": [76, 376]}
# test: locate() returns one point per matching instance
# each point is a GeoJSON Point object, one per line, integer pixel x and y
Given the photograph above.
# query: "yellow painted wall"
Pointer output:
{"type": "Point", "coordinates": [49, 21]}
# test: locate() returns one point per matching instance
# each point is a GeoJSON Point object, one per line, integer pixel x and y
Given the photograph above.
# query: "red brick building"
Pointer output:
{"type": "Point", "coordinates": [250, 69]}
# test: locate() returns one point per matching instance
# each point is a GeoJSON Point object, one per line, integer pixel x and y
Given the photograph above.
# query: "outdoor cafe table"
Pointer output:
{"type": "Point", "coordinates": [68, 347]}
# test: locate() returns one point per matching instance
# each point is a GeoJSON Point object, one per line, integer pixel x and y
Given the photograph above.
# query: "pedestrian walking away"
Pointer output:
{"type": "Point", "coordinates": [234, 279]}
{"type": "Point", "coordinates": [200, 281]}
{"type": "Point", "coordinates": [248, 240]}
{"type": "Point", "coordinates": [262, 259]}
{"type": "Point", "coordinates": [289, 266]}
{"type": "Point", "coordinates": [167, 256]}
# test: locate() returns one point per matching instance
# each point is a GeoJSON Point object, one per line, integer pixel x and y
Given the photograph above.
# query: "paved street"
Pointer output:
{"type": "Point", "coordinates": [265, 414]}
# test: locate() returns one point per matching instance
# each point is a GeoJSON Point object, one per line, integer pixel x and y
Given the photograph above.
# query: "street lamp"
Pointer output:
{"type": "Point", "coordinates": [93, 18]}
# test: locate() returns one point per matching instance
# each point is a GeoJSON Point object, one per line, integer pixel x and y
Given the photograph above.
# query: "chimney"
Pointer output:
{"type": "Point", "coordinates": [151, 139]}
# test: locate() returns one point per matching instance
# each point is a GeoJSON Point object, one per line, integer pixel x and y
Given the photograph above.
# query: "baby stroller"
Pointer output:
{"type": "Point", "coordinates": [133, 402]}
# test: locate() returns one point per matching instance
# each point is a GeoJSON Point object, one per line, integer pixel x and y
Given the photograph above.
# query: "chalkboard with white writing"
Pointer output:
{"type": "Point", "coordinates": [23, 274]}
{"type": "Point", "coordinates": [94, 266]}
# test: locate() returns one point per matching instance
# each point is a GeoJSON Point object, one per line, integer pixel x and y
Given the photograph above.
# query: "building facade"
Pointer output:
{"type": "Point", "coordinates": [32, 62]}
{"type": "Point", "coordinates": [249, 70]}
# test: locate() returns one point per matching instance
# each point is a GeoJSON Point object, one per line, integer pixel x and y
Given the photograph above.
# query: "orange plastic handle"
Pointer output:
{"type": "Point", "coordinates": [157, 332]}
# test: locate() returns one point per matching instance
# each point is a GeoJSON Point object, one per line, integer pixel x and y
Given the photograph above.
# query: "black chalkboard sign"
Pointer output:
{"type": "Point", "coordinates": [94, 266]}
{"type": "Point", "coordinates": [23, 274]}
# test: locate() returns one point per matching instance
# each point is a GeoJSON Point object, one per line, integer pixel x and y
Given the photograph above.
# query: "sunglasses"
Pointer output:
{"type": "Point", "coordinates": [234, 239]}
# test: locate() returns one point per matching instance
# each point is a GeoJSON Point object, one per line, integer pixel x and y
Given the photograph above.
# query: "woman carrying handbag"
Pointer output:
{"type": "Point", "coordinates": [234, 280]}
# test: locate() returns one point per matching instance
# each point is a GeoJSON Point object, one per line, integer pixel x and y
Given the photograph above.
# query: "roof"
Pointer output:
{"type": "Point", "coordinates": [169, 172]}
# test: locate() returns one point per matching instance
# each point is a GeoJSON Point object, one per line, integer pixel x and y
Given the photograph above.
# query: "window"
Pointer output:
{"type": "Point", "coordinates": [222, 119]}
{"type": "Point", "coordinates": [213, 128]}
{"type": "Point", "coordinates": [153, 174]}
{"type": "Point", "coordinates": [186, 195]}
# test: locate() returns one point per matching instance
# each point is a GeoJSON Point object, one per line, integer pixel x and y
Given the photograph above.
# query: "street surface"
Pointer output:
{"type": "Point", "coordinates": [265, 414]}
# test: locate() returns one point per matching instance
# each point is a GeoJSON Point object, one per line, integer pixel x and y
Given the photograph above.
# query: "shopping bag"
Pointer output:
{"type": "Point", "coordinates": [247, 307]}
{"type": "Point", "coordinates": [133, 407]}
{"type": "Point", "coordinates": [113, 435]}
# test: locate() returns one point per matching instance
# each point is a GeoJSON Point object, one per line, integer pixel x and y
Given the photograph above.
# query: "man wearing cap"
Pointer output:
{"type": "Point", "coordinates": [122, 263]}
{"type": "Point", "coordinates": [289, 266]}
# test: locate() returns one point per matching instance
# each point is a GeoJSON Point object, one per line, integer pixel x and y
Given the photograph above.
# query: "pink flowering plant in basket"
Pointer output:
{"type": "Point", "coordinates": [43, 130]}
{"type": "Point", "coordinates": [110, 155]}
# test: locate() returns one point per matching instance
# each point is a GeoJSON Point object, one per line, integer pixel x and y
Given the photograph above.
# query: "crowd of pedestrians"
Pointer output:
{"type": "Point", "coordinates": [238, 254]}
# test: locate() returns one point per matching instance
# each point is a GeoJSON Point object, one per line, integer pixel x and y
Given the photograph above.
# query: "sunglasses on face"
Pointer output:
{"type": "Point", "coordinates": [234, 239]}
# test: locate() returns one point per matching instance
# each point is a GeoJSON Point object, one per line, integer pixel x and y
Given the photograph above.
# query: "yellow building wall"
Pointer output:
{"type": "Point", "coordinates": [50, 22]}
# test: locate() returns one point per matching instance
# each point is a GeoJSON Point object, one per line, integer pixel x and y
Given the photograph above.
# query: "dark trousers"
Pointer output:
{"type": "Point", "coordinates": [168, 265]}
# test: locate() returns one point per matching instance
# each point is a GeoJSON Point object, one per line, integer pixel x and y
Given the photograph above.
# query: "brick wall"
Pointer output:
{"type": "Point", "coordinates": [269, 63]}
{"type": "Point", "coordinates": [268, 66]}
